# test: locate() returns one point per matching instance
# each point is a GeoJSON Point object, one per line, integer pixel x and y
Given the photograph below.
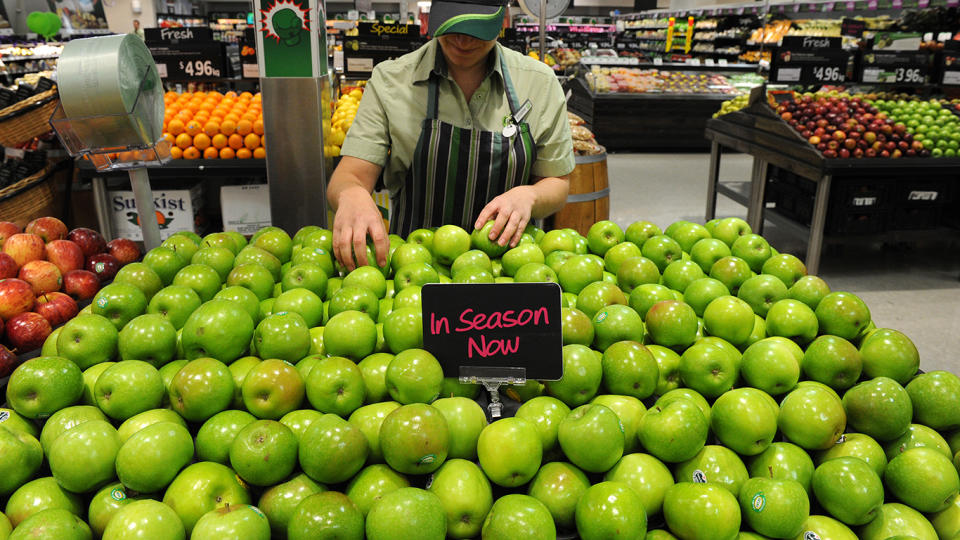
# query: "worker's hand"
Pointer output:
{"type": "Point", "coordinates": [511, 212]}
{"type": "Point", "coordinates": [357, 218]}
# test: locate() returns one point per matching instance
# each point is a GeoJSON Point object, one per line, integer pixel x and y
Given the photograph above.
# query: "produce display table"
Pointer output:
{"type": "Point", "coordinates": [759, 132]}
{"type": "Point", "coordinates": [176, 169]}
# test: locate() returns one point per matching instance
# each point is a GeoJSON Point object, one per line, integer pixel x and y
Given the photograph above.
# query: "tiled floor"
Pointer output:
{"type": "Point", "coordinates": [914, 289]}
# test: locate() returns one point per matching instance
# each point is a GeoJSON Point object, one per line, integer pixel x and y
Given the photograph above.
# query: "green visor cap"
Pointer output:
{"type": "Point", "coordinates": [482, 21]}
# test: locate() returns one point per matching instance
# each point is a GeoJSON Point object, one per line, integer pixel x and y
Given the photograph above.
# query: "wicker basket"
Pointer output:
{"type": "Point", "coordinates": [27, 119]}
{"type": "Point", "coordinates": [32, 197]}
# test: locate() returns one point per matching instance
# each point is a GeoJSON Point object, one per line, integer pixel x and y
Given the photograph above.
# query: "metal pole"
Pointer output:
{"type": "Point", "coordinates": [543, 31]}
{"type": "Point", "coordinates": [143, 197]}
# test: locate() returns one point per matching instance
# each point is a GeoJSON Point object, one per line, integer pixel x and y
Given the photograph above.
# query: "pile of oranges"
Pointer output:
{"type": "Point", "coordinates": [211, 125]}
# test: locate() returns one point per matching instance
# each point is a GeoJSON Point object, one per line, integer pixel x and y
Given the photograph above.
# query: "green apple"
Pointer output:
{"type": "Point", "coordinates": [729, 229]}
{"type": "Point", "coordinates": [302, 302]}
{"type": "Point", "coordinates": [128, 388]}
{"type": "Point", "coordinates": [610, 510]}
{"type": "Point", "coordinates": [242, 521]}
{"type": "Point", "coordinates": [629, 369]}
{"type": "Point", "coordinates": [792, 319]}
{"type": "Point", "coordinates": [465, 494]}
{"type": "Point", "coordinates": [592, 437]}
{"type": "Point", "coordinates": [582, 373]}
{"type": "Point", "coordinates": [559, 485]}
{"type": "Point", "coordinates": [280, 502]}
{"type": "Point", "coordinates": [105, 504]}
{"type": "Point", "coordinates": [934, 396]}
{"type": "Point", "coordinates": [335, 385]}
{"type": "Point", "coordinates": [675, 431]}
{"type": "Point", "coordinates": [752, 248]}
{"type": "Point", "coordinates": [557, 240]}
{"type": "Point", "coordinates": [272, 388]}
{"type": "Point", "coordinates": [857, 445]}
{"type": "Point", "coordinates": [689, 394]}
{"type": "Point", "coordinates": [810, 290]}
{"type": "Point", "coordinates": [422, 237]}
{"type": "Point", "coordinates": [602, 236]}
{"type": "Point", "coordinates": [219, 329]}
{"type": "Point", "coordinates": [833, 361]}
{"type": "Point", "coordinates": [812, 417]}
{"type": "Point", "coordinates": [306, 275]}
{"type": "Point", "coordinates": [519, 517]}
{"type": "Point", "coordinates": [52, 523]}
{"type": "Point", "coordinates": [671, 323]}
{"type": "Point", "coordinates": [134, 424]}
{"type": "Point", "coordinates": [408, 297]}
{"type": "Point", "coordinates": [145, 519]}
{"type": "Point", "coordinates": [220, 239]}
{"type": "Point", "coordinates": [39, 495]}
{"type": "Point", "coordinates": [219, 258]}
{"type": "Point", "coordinates": [637, 271]}
{"type": "Point", "coordinates": [770, 365]}
{"type": "Point", "coordinates": [465, 420]}
{"type": "Point", "coordinates": [251, 276]}
{"type": "Point", "coordinates": [328, 514]}
{"type": "Point", "coordinates": [367, 277]}
{"type": "Point", "coordinates": [615, 323]}
{"type": "Point", "coordinates": [182, 245]}
{"type": "Point", "coordinates": [284, 336]}
{"type": "Point", "coordinates": [298, 421]}
{"type": "Point", "coordinates": [842, 314]}
{"type": "Point", "coordinates": [923, 479]}
{"type": "Point", "coordinates": [201, 389]}
{"type": "Point", "coordinates": [12, 420]}
{"type": "Point", "coordinates": [217, 434]}
{"type": "Point", "coordinates": [264, 452]}
{"type": "Point", "coordinates": [203, 279]}
{"type": "Point", "coordinates": [49, 347]}
{"type": "Point", "coordinates": [880, 408]}
{"type": "Point", "coordinates": [662, 250]}
{"type": "Point", "coordinates": [888, 353]}
{"type": "Point", "coordinates": [535, 273]}
{"type": "Point", "coordinates": [88, 340]}
{"type": "Point", "coordinates": [714, 465]}
{"type": "Point", "coordinates": [354, 298]}
{"type": "Point", "coordinates": [729, 318]}
{"type": "Point", "coordinates": [403, 329]}
{"type": "Point", "coordinates": [947, 521]}
{"type": "Point", "coordinates": [165, 262]}
{"type": "Point", "coordinates": [43, 385]}
{"type": "Point", "coordinates": [617, 256]}
{"type": "Point", "coordinates": [150, 338]}
{"type": "Point", "coordinates": [480, 239]}
{"type": "Point", "coordinates": [372, 483]}
{"type": "Point", "coordinates": [849, 489]}
{"type": "Point", "coordinates": [22, 456]}
{"type": "Point", "coordinates": [787, 268]}
{"type": "Point", "coordinates": [82, 459]}
{"type": "Point", "coordinates": [415, 439]}
{"type": "Point", "coordinates": [639, 232]}
{"type": "Point", "coordinates": [332, 450]}
{"type": "Point", "coordinates": [351, 334]}
{"type": "Point", "coordinates": [668, 364]}
{"type": "Point", "coordinates": [411, 253]}
{"type": "Point", "coordinates": [917, 436]}
{"type": "Point", "coordinates": [825, 527]}
{"type": "Point", "coordinates": [472, 259]}
{"type": "Point", "coordinates": [174, 303]}
{"type": "Point", "coordinates": [140, 276]}
{"type": "Point", "coordinates": [678, 275]}
{"type": "Point", "coordinates": [322, 239]}
{"type": "Point", "coordinates": [706, 511]}
{"type": "Point", "coordinates": [64, 420]}
{"type": "Point", "coordinates": [239, 369]}
{"type": "Point", "coordinates": [578, 272]}
{"type": "Point", "coordinates": [708, 368]}
{"type": "Point", "coordinates": [774, 508]}
{"type": "Point", "coordinates": [577, 327]}
{"type": "Point", "coordinates": [416, 274]}
{"type": "Point", "coordinates": [900, 521]}
{"type": "Point", "coordinates": [303, 232]}
{"type": "Point", "coordinates": [374, 371]}
{"type": "Point", "coordinates": [760, 292]}
{"type": "Point", "coordinates": [407, 512]}
{"type": "Point", "coordinates": [629, 410]}
{"type": "Point", "coordinates": [152, 457]}
{"type": "Point", "coordinates": [732, 271]}
{"type": "Point", "coordinates": [743, 421]}
{"type": "Point", "coordinates": [277, 242]}
{"type": "Point", "coordinates": [201, 488]}
{"type": "Point", "coordinates": [648, 477]}
{"type": "Point", "coordinates": [545, 413]}
{"type": "Point", "coordinates": [414, 376]}
{"type": "Point", "coordinates": [119, 303]}
{"type": "Point", "coordinates": [450, 241]}
{"type": "Point", "coordinates": [783, 461]}
{"type": "Point", "coordinates": [707, 251]}
{"type": "Point", "coordinates": [509, 451]}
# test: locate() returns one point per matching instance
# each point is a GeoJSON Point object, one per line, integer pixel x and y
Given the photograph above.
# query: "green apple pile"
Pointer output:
{"type": "Point", "coordinates": [256, 389]}
{"type": "Point", "coordinates": [934, 125]}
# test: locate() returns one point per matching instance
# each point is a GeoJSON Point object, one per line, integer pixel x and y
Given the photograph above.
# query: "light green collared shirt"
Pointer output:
{"type": "Point", "coordinates": [394, 104]}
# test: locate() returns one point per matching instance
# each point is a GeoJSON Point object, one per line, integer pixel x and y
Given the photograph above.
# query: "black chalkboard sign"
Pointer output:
{"type": "Point", "coordinates": [491, 328]}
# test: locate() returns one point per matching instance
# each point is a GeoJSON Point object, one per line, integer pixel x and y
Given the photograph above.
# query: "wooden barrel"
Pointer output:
{"type": "Point", "coordinates": [589, 199]}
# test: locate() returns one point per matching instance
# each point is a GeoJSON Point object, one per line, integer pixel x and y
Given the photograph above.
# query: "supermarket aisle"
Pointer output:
{"type": "Point", "coordinates": [914, 290]}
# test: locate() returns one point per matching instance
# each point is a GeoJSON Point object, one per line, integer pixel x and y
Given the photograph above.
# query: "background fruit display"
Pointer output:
{"type": "Point", "coordinates": [45, 270]}
{"type": "Point", "coordinates": [211, 125]}
{"type": "Point", "coordinates": [635, 80]}
{"type": "Point", "coordinates": [344, 111]}
{"type": "Point", "coordinates": [711, 389]}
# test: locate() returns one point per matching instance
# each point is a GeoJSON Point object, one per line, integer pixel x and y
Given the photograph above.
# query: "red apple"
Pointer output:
{"type": "Point", "coordinates": [839, 135]}
{"type": "Point", "coordinates": [43, 276]}
{"type": "Point", "coordinates": [8, 361]}
{"type": "Point", "coordinates": [910, 153]}
{"type": "Point", "coordinates": [89, 240]}
{"type": "Point", "coordinates": [81, 284]}
{"type": "Point", "coordinates": [814, 140]}
{"type": "Point", "coordinates": [104, 265]}
{"type": "Point", "coordinates": [896, 153]}
{"type": "Point", "coordinates": [125, 250]}
{"type": "Point", "coordinates": [850, 144]}
{"type": "Point", "coordinates": [870, 152]}
{"type": "Point", "coordinates": [27, 331]}
{"type": "Point", "coordinates": [56, 307]}
{"type": "Point", "coordinates": [48, 228]}
{"type": "Point", "coordinates": [24, 248]}
{"type": "Point", "coordinates": [858, 152]}
{"type": "Point", "coordinates": [844, 153]}
{"type": "Point", "coordinates": [833, 144]}
{"type": "Point", "coordinates": [16, 296]}
{"type": "Point", "coordinates": [869, 136]}
{"type": "Point", "coordinates": [7, 229]}
{"type": "Point", "coordinates": [885, 153]}
{"type": "Point", "coordinates": [829, 153]}
{"type": "Point", "coordinates": [65, 254]}
{"type": "Point", "coordinates": [8, 266]}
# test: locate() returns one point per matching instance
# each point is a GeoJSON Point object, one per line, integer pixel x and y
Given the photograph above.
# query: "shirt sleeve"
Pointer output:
{"type": "Point", "coordinates": [369, 136]}
{"type": "Point", "coordinates": [554, 142]}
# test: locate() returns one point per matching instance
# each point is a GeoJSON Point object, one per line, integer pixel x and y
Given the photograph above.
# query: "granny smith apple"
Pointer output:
{"type": "Point", "coordinates": [280, 502]}
{"type": "Point", "coordinates": [52, 523]}
{"type": "Point", "coordinates": [545, 413]}
{"type": "Point", "coordinates": [761, 292]}
{"type": "Point", "coordinates": [251, 276]}
{"type": "Point", "coordinates": [183, 245]}
{"type": "Point", "coordinates": [856, 445]}
{"type": "Point", "coordinates": [465, 420]}
{"type": "Point", "coordinates": [618, 255]}
{"type": "Point", "coordinates": [535, 272]}
{"type": "Point", "coordinates": [415, 439]}
{"type": "Point", "coordinates": [578, 272]}
{"type": "Point", "coordinates": [577, 327]}
{"type": "Point", "coordinates": [201, 389]}
{"type": "Point", "coordinates": [105, 504]}
{"type": "Point", "coordinates": [598, 295]}
{"type": "Point", "coordinates": [22, 456]}
{"type": "Point", "coordinates": [812, 417]}
{"type": "Point", "coordinates": [150, 338]}
{"type": "Point", "coordinates": [610, 510]}
{"type": "Point", "coordinates": [689, 394]}
{"type": "Point", "coordinates": [372, 483]}
{"type": "Point", "coordinates": [302, 302]}
{"type": "Point", "coordinates": [889, 353]}
{"type": "Point", "coordinates": [165, 262]}
{"type": "Point", "coordinates": [810, 290]}
{"type": "Point", "coordinates": [264, 452]}
{"type": "Point", "coordinates": [707, 251]}
{"type": "Point", "coordinates": [603, 235]}
{"type": "Point", "coordinates": [671, 323]}
{"type": "Point", "coordinates": [934, 396]}
{"type": "Point", "coordinates": [947, 521]}
{"type": "Point", "coordinates": [743, 421]}
{"type": "Point", "coordinates": [708, 368]}
{"type": "Point", "coordinates": [880, 408]}
{"type": "Point", "coordinates": [82, 459]}
{"type": "Point", "coordinates": [771, 366]}
{"type": "Point", "coordinates": [752, 248]}
{"type": "Point", "coordinates": [216, 435]}
{"type": "Point", "coordinates": [923, 479]}
{"type": "Point", "coordinates": [582, 373]}
{"type": "Point", "coordinates": [557, 240]}
{"type": "Point", "coordinates": [152, 457]}
{"type": "Point", "coordinates": [701, 511]}
{"type": "Point", "coordinates": [629, 369]}
{"type": "Point", "coordinates": [849, 489]}
{"type": "Point", "coordinates": [559, 485]}
{"type": "Point", "coordinates": [407, 513]}
{"type": "Point", "coordinates": [203, 279]}
{"type": "Point", "coordinates": [128, 388]}
{"type": "Point", "coordinates": [833, 361]}
{"type": "Point", "coordinates": [219, 329]}
{"type": "Point", "coordinates": [732, 271]}
{"type": "Point", "coordinates": [200, 488]}
{"type": "Point", "coordinates": [174, 303]}
{"type": "Point", "coordinates": [788, 268]}
{"type": "Point", "coordinates": [842, 314]}
{"type": "Point", "coordinates": [825, 527]}
{"type": "Point", "coordinates": [285, 336]}
{"type": "Point", "coordinates": [38, 495]}
{"type": "Point", "coordinates": [673, 432]}
{"type": "Point", "coordinates": [450, 241]}
{"type": "Point", "coordinates": [307, 276]}
{"type": "Point", "coordinates": [639, 231]}
{"type": "Point", "coordinates": [637, 271]}
{"type": "Point", "coordinates": [66, 419]}
{"type": "Point", "coordinates": [332, 450]}
{"type": "Point", "coordinates": [465, 494]}
{"type": "Point", "coordinates": [668, 364]}
{"type": "Point", "coordinates": [369, 419]}
{"type": "Point", "coordinates": [678, 275]}
{"type": "Point", "coordinates": [774, 508]}
{"type": "Point", "coordinates": [916, 436]}
{"type": "Point", "coordinates": [326, 513]}
{"type": "Point", "coordinates": [629, 410]}
{"type": "Point", "coordinates": [350, 334]}
{"type": "Point", "coordinates": [119, 303]}
{"type": "Point", "coordinates": [335, 385]}
{"type": "Point", "coordinates": [12, 420]}
{"type": "Point", "coordinates": [403, 329]}
{"type": "Point", "coordinates": [898, 520]}
{"type": "Point", "coordinates": [298, 421]}
{"type": "Point", "coordinates": [509, 451]}
{"type": "Point", "coordinates": [374, 371]}
{"type": "Point", "coordinates": [519, 517]}
{"type": "Point", "coordinates": [714, 465]}
{"type": "Point", "coordinates": [648, 477]}
{"type": "Point", "coordinates": [88, 340]}
{"type": "Point", "coordinates": [43, 385]}
{"type": "Point", "coordinates": [481, 239]}
{"type": "Point", "coordinates": [414, 376]}
{"type": "Point", "coordinates": [135, 423]}
{"type": "Point", "coordinates": [662, 250]}
{"type": "Point", "coordinates": [729, 318]}
{"type": "Point", "coordinates": [592, 437]}
{"type": "Point", "coordinates": [783, 461]}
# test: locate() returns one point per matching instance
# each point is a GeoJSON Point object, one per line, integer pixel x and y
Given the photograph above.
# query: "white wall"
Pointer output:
{"type": "Point", "coordinates": [120, 14]}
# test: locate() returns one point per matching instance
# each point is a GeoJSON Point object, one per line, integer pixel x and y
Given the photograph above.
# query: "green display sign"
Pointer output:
{"type": "Point", "coordinates": [290, 34]}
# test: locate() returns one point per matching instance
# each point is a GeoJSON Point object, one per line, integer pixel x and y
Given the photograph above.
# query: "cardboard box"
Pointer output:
{"type": "Point", "coordinates": [177, 210]}
{"type": "Point", "coordinates": [245, 209]}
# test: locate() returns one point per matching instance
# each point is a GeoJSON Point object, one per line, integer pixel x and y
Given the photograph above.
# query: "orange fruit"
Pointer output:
{"type": "Point", "coordinates": [169, 138]}
{"type": "Point", "coordinates": [244, 127]}
{"type": "Point", "coordinates": [232, 117]}
{"type": "Point", "coordinates": [191, 153]}
{"type": "Point", "coordinates": [184, 141]}
{"type": "Point", "coordinates": [244, 153]}
{"type": "Point", "coordinates": [175, 127]}
{"type": "Point", "coordinates": [249, 117]}
{"type": "Point", "coordinates": [176, 153]}
{"type": "Point", "coordinates": [258, 127]}
{"type": "Point", "coordinates": [211, 128]}
{"type": "Point", "coordinates": [201, 141]}
{"type": "Point", "coordinates": [227, 153]}
{"type": "Point", "coordinates": [228, 127]}
{"type": "Point", "coordinates": [251, 141]}
{"type": "Point", "coordinates": [259, 153]}
{"type": "Point", "coordinates": [211, 153]}
{"type": "Point", "coordinates": [263, 141]}
{"type": "Point", "coordinates": [192, 128]}
{"type": "Point", "coordinates": [231, 94]}
{"type": "Point", "coordinates": [185, 115]}
{"type": "Point", "coordinates": [235, 141]}
{"type": "Point", "coordinates": [219, 141]}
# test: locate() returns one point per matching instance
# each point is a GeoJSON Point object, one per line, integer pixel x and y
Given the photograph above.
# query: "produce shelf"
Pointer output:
{"type": "Point", "coordinates": [178, 168]}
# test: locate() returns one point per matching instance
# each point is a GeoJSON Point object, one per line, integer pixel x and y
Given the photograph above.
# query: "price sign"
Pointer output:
{"type": "Point", "coordinates": [189, 61]}
{"type": "Point", "coordinates": [951, 66]}
{"type": "Point", "coordinates": [904, 68]}
{"type": "Point", "coordinates": [809, 61]}
{"type": "Point", "coordinates": [494, 328]}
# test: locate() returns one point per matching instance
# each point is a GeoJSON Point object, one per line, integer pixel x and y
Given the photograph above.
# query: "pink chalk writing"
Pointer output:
{"type": "Point", "coordinates": [472, 321]}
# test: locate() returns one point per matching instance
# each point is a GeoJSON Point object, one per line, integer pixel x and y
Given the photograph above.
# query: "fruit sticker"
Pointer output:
{"type": "Point", "coordinates": [758, 502]}
{"type": "Point", "coordinates": [102, 301]}
{"type": "Point", "coordinates": [602, 316]}
{"type": "Point", "coordinates": [427, 459]}
{"type": "Point", "coordinates": [3, 416]}
{"type": "Point", "coordinates": [118, 494]}
{"type": "Point", "coordinates": [810, 535]}
{"type": "Point", "coordinates": [699, 477]}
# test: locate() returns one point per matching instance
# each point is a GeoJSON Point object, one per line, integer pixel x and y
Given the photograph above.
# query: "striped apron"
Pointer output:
{"type": "Point", "coordinates": [456, 171]}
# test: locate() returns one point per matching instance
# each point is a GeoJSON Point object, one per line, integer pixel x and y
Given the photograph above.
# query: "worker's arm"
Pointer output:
{"type": "Point", "coordinates": [357, 215]}
{"type": "Point", "coordinates": [513, 210]}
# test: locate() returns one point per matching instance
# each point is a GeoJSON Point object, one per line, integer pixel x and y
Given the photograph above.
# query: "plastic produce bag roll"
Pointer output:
{"type": "Point", "coordinates": [101, 77]}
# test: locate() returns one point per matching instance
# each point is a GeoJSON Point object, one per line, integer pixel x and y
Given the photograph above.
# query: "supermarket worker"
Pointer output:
{"type": "Point", "coordinates": [463, 129]}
